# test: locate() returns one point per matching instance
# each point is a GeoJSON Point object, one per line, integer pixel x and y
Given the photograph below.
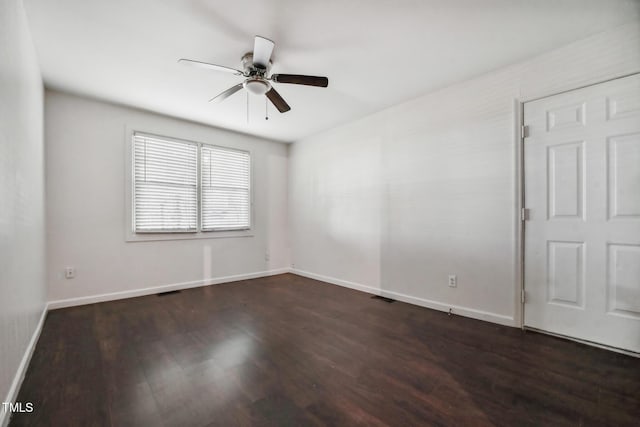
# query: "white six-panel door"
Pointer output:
{"type": "Point", "coordinates": [582, 192]}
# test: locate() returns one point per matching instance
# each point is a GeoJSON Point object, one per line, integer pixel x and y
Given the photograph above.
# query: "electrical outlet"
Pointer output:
{"type": "Point", "coordinates": [267, 256]}
{"type": "Point", "coordinates": [453, 281]}
{"type": "Point", "coordinates": [69, 273]}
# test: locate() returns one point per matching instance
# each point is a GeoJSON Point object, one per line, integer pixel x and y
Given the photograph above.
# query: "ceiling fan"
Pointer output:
{"type": "Point", "coordinates": [257, 65]}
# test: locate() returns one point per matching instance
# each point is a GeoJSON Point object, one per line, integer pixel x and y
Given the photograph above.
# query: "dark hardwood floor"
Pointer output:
{"type": "Point", "coordinates": [290, 351]}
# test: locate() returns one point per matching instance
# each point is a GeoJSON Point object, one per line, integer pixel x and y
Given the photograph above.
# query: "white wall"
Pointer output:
{"type": "Point", "coordinates": [401, 199]}
{"type": "Point", "coordinates": [86, 205]}
{"type": "Point", "coordinates": [22, 239]}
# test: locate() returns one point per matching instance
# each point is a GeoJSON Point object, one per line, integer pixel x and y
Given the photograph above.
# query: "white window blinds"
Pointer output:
{"type": "Point", "coordinates": [225, 188]}
{"type": "Point", "coordinates": [165, 185]}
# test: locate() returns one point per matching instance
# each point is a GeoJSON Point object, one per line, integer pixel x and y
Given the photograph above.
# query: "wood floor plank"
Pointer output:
{"type": "Point", "coordinates": [287, 350]}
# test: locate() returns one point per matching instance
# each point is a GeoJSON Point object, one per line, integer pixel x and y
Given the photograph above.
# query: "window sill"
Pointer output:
{"type": "Point", "coordinates": [132, 237]}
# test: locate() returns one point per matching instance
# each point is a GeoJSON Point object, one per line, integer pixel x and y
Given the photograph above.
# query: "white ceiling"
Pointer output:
{"type": "Point", "coordinates": [376, 53]}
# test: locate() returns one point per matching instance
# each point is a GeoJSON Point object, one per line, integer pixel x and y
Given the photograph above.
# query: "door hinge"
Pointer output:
{"type": "Point", "coordinates": [524, 131]}
{"type": "Point", "coordinates": [524, 214]}
{"type": "Point", "coordinates": [523, 296]}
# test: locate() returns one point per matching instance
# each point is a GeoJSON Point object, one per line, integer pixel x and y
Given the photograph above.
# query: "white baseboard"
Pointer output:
{"type": "Point", "coordinates": [71, 302]}
{"type": "Point", "coordinates": [335, 281]}
{"type": "Point", "coordinates": [455, 309]}
{"type": "Point", "coordinates": [12, 395]}
{"type": "Point", "coordinates": [435, 305]}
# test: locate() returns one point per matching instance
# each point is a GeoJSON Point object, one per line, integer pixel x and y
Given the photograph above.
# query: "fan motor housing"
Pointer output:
{"type": "Point", "coordinates": [251, 69]}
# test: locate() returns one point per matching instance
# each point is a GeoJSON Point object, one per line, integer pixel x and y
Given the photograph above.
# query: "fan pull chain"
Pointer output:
{"type": "Point", "coordinates": [266, 109]}
{"type": "Point", "coordinates": [247, 107]}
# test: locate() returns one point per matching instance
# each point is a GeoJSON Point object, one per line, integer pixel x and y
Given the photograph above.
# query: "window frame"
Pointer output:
{"type": "Point", "coordinates": [136, 236]}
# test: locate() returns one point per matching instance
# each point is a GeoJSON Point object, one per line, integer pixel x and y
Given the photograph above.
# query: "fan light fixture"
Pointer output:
{"type": "Point", "coordinates": [257, 86]}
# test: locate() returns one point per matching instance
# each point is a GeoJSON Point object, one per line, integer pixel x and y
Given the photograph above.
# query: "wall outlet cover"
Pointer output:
{"type": "Point", "coordinates": [453, 281]}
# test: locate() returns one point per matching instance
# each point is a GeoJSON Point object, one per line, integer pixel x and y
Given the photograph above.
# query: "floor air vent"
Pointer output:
{"type": "Point", "coordinates": [162, 294]}
{"type": "Point", "coordinates": [385, 299]}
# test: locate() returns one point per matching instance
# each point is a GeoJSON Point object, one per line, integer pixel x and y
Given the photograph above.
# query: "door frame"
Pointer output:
{"type": "Point", "coordinates": [518, 114]}
{"type": "Point", "coordinates": [519, 244]}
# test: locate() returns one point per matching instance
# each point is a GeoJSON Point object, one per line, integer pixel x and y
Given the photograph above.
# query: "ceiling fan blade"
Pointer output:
{"type": "Point", "coordinates": [278, 101]}
{"type": "Point", "coordinates": [298, 79]}
{"type": "Point", "coordinates": [262, 50]}
{"type": "Point", "coordinates": [210, 66]}
{"type": "Point", "coordinates": [227, 93]}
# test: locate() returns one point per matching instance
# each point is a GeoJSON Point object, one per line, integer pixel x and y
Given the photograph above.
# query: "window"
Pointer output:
{"type": "Point", "coordinates": [187, 187]}
{"type": "Point", "coordinates": [224, 188]}
{"type": "Point", "coordinates": [165, 185]}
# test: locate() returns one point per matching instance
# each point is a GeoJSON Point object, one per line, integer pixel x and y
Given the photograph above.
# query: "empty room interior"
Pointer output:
{"type": "Point", "coordinates": [320, 213]}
